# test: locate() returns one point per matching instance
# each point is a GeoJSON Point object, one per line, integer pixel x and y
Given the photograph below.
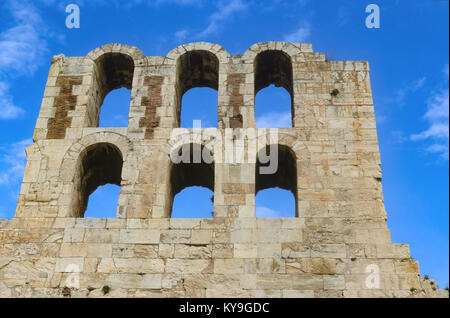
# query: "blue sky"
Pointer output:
{"type": "Point", "coordinates": [408, 56]}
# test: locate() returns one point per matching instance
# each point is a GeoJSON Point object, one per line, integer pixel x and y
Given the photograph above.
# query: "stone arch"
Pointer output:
{"type": "Point", "coordinates": [113, 68]}
{"type": "Point", "coordinates": [290, 140]}
{"type": "Point", "coordinates": [183, 174]}
{"type": "Point", "coordinates": [136, 54]}
{"type": "Point", "coordinates": [195, 69]}
{"type": "Point", "coordinates": [273, 65]}
{"type": "Point", "coordinates": [73, 153]}
{"type": "Point", "coordinates": [293, 154]}
{"type": "Point", "coordinates": [285, 175]}
{"type": "Point", "coordinates": [291, 49]}
{"type": "Point", "coordinates": [222, 55]}
{"type": "Point", "coordinates": [213, 59]}
{"type": "Point", "coordinates": [84, 167]}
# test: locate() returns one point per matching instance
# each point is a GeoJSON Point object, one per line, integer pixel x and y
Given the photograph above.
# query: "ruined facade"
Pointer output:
{"type": "Point", "coordinates": [338, 245]}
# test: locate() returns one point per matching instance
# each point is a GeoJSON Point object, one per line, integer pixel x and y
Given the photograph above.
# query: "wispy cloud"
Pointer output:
{"type": "Point", "coordinates": [437, 130]}
{"type": "Point", "coordinates": [264, 212]}
{"type": "Point", "coordinates": [181, 35]}
{"type": "Point", "coordinates": [301, 34]}
{"type": "Point", "coordinates": [115, 121]}
{"type": "Point", "coordinates": [437, 116]}
{"type": "Point", "coordinates": [225, 10]}
{"type": "Point", "coordinates": [440, 149]}
{"type": "Point", "coordinates": [22, 48]}
{"type": "Point", "coordinates": [275, 120]}
{"type": "Point", "coordinates": [13, 158]}
{"type": "Point", "coordinates": [270, 5]}
{"type": "Point", "coordinates": [7, 108]}
{"type": "Point", "coordinates": [400, 94]}
{"type": "Point", "coordinates": [398, 137]}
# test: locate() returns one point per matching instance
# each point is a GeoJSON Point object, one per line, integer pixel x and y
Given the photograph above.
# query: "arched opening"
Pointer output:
{"type": "Point", "coordinates": [281, 178]}
{"type": "Point", "coordinates": [274, 90]}
{"type": "Point", "coordinates": [99, 165]}
{"type": "Point", "coordinates": [192, 183]}
{"type": "Point", "coordinates": [275, 203]}
{"type": "Point", "coordinates": [182, 206]}
{"type": "Point", "coordinates": [103, 202]}
{"type": "Point", "coordinates": [114, 71]}
{"type": "Point", "coordinates": [199, 104]}
{"type": "Point", "coordinates": [197, 69]}
{"type": "Point", "coordinates": [273, 108]}
{"type": "Point", "coordinates": [113, 113]}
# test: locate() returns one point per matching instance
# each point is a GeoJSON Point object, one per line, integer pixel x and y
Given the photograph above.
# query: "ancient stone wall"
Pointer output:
{"type": "Point", "coordinates": [338, 245]}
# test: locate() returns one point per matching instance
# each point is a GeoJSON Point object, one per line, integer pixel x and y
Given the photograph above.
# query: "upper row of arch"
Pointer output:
{"type": "Point", "coordinates": [139, 58]}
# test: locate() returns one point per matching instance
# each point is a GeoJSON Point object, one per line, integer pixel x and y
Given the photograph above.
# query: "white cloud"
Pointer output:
{"type": "Point", "coordinates": [287, 6]}
{"type": "Point", "coordinates": [438, 106]}
{"type": "Point", "coordinates": [7, 108]}
{"type": "Point", "coordinates": [181, 35]}
{"type": "Point", "coordinates": [14, 159]}
{"type": "Point", "coordinates": [436, 130]}
{"type": "Point", "coordinates": [398, 137]}
{"type": "Point", "coordinates": [225, 10]}
{"type": "Point", "coordinates": [115, 121]}
{"type": "Point", "coordinates": [22, 46]}
{"type": "Point", "coordinates": [412, 87]}
{"type": "Point", "coordinates": [263, 212]}
{"type": "Point", "coordinates": [440, 149]}
{"type": "Point", "coordinates": [299, 35]}
{"type": "Point", "coordinates": [274, 120]}
{"type": "Point", "coordinates": [438, 117]}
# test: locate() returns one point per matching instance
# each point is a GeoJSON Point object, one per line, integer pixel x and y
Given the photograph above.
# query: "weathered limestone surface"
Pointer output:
{"type": "Point", "coordinates": [337, 246]}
